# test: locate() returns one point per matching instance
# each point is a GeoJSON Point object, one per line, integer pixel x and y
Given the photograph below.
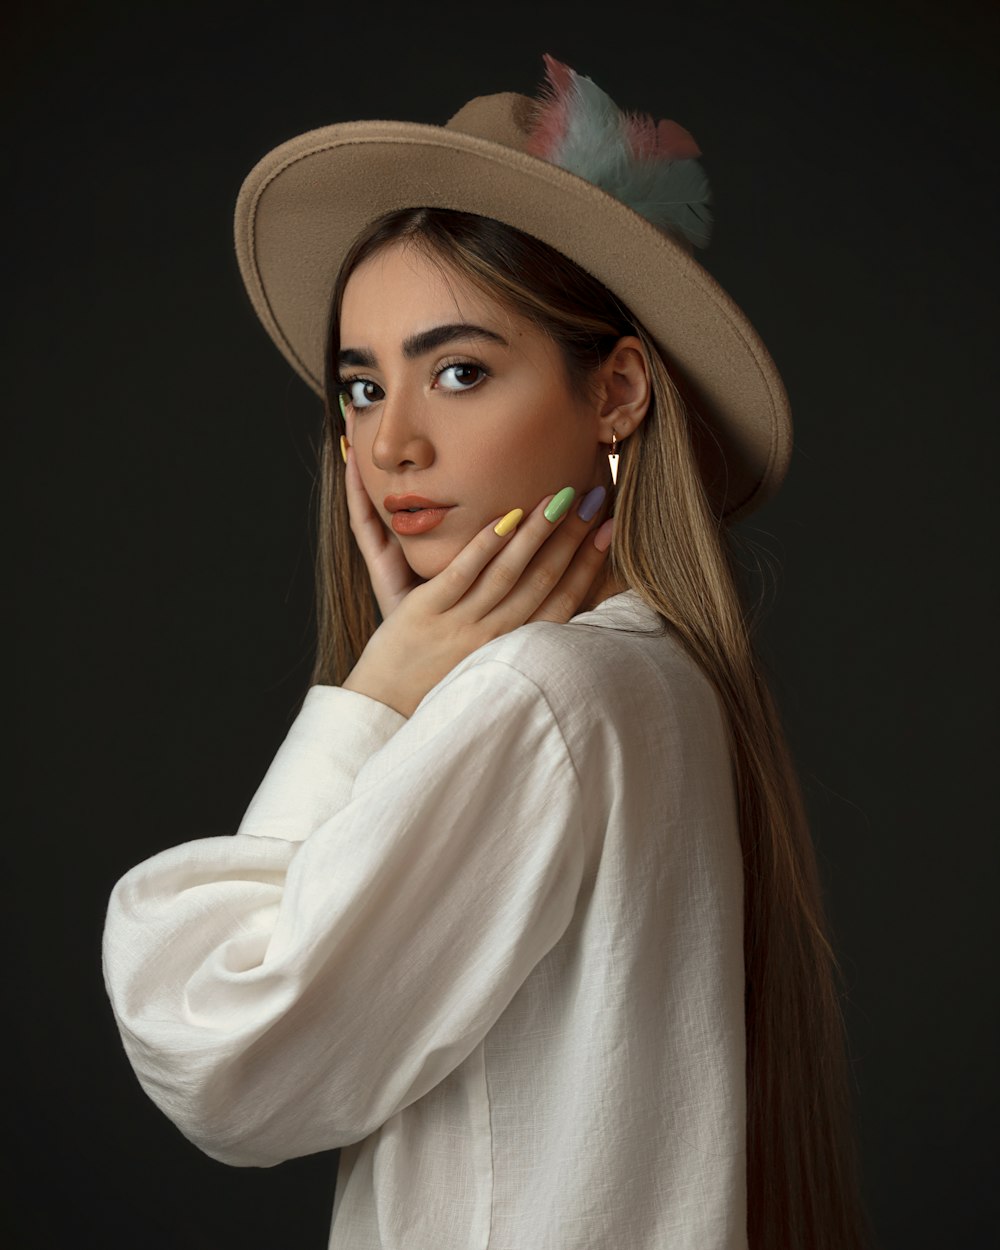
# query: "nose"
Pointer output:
{"type": "Point", "coordinates": [400, 442]}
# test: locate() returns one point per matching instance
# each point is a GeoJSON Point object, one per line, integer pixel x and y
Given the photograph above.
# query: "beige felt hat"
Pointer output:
{"type": "Point", "coordinates": [303, 204]}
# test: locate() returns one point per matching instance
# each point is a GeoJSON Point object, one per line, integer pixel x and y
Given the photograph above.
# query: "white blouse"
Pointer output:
{"type": "Point", "coordinates": [494, 952]}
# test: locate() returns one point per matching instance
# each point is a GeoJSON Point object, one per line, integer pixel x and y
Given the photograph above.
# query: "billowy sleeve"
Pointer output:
{"type": "Point", "coordinates": [287, 992]}
{"type": "Point", "coordinates": [311, 776]}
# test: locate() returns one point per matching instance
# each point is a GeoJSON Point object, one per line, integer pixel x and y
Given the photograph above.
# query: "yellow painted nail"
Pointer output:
{"type": "Point", "coordinates": [343, 447]}
{"type": "Point", "coordinates": [505, 525]}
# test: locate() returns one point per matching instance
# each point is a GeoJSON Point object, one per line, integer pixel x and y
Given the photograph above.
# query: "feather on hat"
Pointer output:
{"type": "Point", "coordinates": [650, 166]}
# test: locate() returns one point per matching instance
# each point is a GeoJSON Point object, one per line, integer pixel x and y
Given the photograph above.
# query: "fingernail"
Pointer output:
{"type": "Point", "coordinates": [340, 400]}
{"type": "Point", "coordinates": [591, 502]}
{"type": "Point", "coordinates": [343, 447]}
{"type": "Point", "coordinates": [507, 523]}
{"type": "Point", "coordinates": [602, 539]}
{"type": "Point", "coordinates": [560, 503]}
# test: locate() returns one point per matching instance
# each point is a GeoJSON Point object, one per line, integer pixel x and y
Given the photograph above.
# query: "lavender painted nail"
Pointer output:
{"type": "Point", "coordinates": [590, 503]}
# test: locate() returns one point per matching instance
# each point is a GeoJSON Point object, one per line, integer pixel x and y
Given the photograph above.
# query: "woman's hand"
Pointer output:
{"type": "Point", "coordinates": [391, 577]}
{"type": "Point", "coordinates": [541, 571]}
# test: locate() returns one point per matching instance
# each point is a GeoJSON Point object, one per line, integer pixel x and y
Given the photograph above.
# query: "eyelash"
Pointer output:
{"type": "Point", "coordinates": [344, 384]}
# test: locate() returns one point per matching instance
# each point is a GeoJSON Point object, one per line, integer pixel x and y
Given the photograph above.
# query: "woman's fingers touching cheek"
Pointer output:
{"type": "Point", "coordinates": [390, 575]}
{"type": "Point", "coordinates": [484, 572]}
{"type": "Point", "coordinates": [559, 570]}
{"type": "Point", "coordinates": [366, 525]}
{"type": "Point", "coordinates": [569, 593]}
{"type": "Point", "coordinates": [515, 564]}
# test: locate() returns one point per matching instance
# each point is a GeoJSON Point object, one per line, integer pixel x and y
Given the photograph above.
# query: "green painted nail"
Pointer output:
{"type": "Point", "coordinates": [559, 504]}
{"type": "Point", "coordinates": [340, 398]}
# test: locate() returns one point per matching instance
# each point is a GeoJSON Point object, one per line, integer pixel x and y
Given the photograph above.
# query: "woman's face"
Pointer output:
{"type": "Point", "coordinates": [479, 419]}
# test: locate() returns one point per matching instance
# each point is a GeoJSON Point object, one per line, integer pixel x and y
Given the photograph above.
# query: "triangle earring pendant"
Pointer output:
{"type": "Point", "coordinates": [613, 458]}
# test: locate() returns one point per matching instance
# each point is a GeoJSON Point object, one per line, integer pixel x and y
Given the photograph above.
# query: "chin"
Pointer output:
{"type": "Point", "coordinates": [427, 560]}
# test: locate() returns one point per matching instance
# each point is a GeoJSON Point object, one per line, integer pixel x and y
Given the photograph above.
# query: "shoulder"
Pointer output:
{"type": "Point", "coordinates": [607, 705]}
{"type": "Point", "coordinates": [619, 669]}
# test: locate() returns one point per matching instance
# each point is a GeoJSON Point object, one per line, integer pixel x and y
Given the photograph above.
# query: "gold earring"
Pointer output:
{"type": "Point", "coordinates": [613, 458]}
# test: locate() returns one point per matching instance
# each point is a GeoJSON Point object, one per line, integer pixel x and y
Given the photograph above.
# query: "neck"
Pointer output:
{"type": "Point", "coordinates": [604, 585]}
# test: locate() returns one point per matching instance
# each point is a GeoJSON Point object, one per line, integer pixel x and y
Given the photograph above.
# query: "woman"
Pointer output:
{"type": "Point", "coordinates": [524, 916]}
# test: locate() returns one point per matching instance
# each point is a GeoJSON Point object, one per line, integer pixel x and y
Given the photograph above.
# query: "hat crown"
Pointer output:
{"type": "Point", "coordinates": [505, 117]}
{"type": "Point", "coordinates": [650, 166]}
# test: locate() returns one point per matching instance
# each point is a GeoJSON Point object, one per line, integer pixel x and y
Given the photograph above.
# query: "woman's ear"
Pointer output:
{"type": "Point", "coordinates": [623, 380]}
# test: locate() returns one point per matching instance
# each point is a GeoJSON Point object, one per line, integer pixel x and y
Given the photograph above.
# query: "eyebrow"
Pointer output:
{"type": "Point", "coordinates": [422, 343]}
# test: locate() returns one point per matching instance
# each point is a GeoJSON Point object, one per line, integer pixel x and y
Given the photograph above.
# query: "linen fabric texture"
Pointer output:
{"type": "Point", "coordinates": [493, 952]}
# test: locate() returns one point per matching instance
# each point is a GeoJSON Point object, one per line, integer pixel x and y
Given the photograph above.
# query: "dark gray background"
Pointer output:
{"type": "Point", "coordinates": [162, 460]}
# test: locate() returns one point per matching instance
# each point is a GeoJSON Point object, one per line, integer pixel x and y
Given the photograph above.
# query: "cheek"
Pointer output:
{"type": "Point", "coordinates": [541, 450]}
{"type": "Point", "coordinates": [524, 431]}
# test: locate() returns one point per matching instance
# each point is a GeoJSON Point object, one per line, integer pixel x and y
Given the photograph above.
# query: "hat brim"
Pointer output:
{"type": "Point", "coordinates": [303, 204]}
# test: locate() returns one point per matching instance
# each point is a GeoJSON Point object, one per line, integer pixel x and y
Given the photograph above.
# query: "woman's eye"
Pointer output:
{"type": "Point", "coordinates": [359, 391]}
{"type": "Point", "coordinates": [461, 371]}
{"type": "Point", "coordinates": [356, 392]}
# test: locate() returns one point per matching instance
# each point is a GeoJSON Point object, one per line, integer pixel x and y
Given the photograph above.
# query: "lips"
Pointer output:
{"type": "Point", "coordinates": [413, 514]}
{"type": "Point", "coordinates": [406, 503]}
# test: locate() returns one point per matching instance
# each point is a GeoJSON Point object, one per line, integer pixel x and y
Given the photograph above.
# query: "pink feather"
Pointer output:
{"type": "Point", "coordinates": [663, 140]}
{"type": "Point", "coordinates": [649, 165]}
{"type": "Point", "coordinates": [552, 116]}
{"type": "Point", "coordinates": [647, 138]}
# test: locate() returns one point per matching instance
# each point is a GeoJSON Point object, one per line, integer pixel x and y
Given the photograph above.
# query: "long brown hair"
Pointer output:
{"type": "Point", "coordinates": [803, 1187]}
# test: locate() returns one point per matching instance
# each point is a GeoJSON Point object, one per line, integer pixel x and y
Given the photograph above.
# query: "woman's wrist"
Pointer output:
{"type": "Point", "coordinates": [363, 681]}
